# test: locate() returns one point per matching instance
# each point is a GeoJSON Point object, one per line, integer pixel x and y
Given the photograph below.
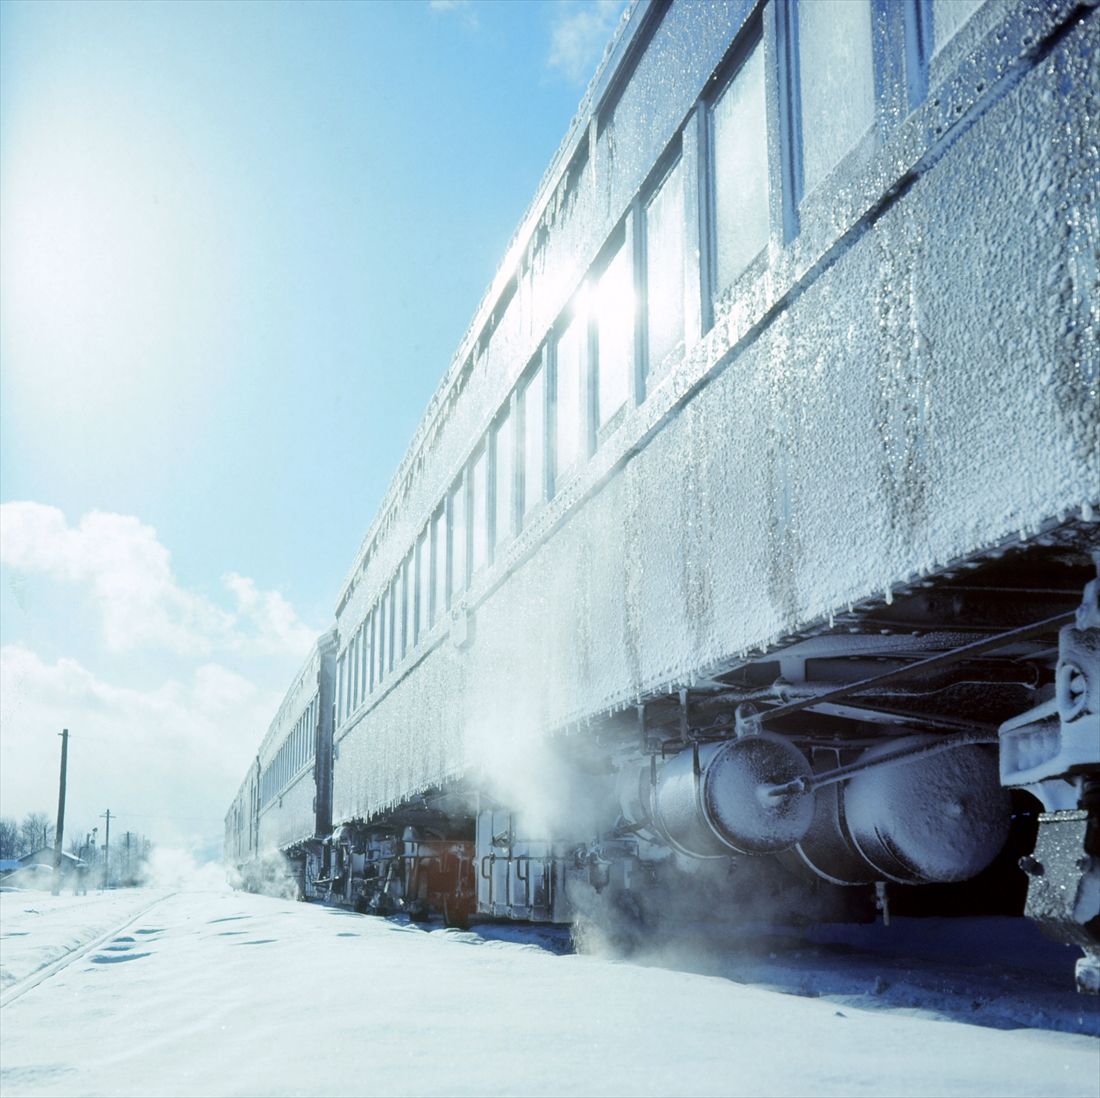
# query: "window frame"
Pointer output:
{"type": "Point", "coordinates": [750, 37]}
{"type": "Point", "coordinates": [542, 495]}
{"type": "Point", "coordinates": [620, 241]}
{"type": "Point", "coordinates": [672, 159]}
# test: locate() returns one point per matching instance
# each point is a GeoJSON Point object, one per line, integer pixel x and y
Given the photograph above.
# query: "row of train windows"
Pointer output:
{"type": "Point", "coordinates": [626, 324]}
{"type": "Point", "coordinates": [582, 378]}
{"type": "Point", "coordinates": [296, 751]}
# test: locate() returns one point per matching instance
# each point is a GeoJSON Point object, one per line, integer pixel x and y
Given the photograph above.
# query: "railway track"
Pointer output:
{"type": "Point", "coordinates": [75, 953]}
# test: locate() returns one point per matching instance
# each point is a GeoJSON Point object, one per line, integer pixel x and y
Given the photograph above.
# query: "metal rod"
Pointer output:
{"type": "Point", "coordinates": [912, 718]}
{"type": "Point", "coordinates": [842, 773]}
{"type": "Point", "coordinates": [943, 659]}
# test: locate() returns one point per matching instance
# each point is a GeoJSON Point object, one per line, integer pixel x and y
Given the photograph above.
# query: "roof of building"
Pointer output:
{"type": "Point", "coordinates": [44, 855]}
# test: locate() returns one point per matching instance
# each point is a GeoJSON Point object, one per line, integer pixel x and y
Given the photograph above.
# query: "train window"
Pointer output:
{"type": "Point", "coordinates": [353, 673]}
{"type": "Point", "coordinates": [347, 685]}
{"type": "Point", "coordinates": [381, 616]}
{"type": "Point", "coordinates": [569, 395]}
{"type": "Point", "coordinates": [350, 672]}
{"type": "Point", "coordinates": [423, 584]}
{"type": "Point", "coordinates": [369, 656]}
{"type": "Point", "coordinates": [355, 641]}
{"type": "Point", "coordinates": [664, 271]}
{"type": "Point", "coordinates": [340, 690]}
{"type": "Point", "coordinates": [504, 445]}
{"type": "Point", "coordinates": [368, 653]}
{"type": "Point", "coordinates": [403, 630]}
{"type": "Point", "coordinates": [740, 171]}
{"type": "Point", "coordinates": [613, 302]}
{"type": "Point", "coordinates": [439, 564]}
{"type": "Point", "coordinates": [479, 511]}
{"type": "Point", "coordinates": [948, 16]}
{"type": "Point", "coordinates": [380, 636]}
{"type": "Point", "coordinates": [387, 647]}
{"type": "Point", "coordinates": [372, 664]}
{"type": "Point", "coordinates": [365, 657]}
{"type": "Point", "coordinates": [534, 442]}
{"type": "Point", "coordinates": [346, 693]}
{"type": "Point", "coordinates": [836, 81]}
{"type": "Point", "coordinates": [458, 540]}
{"type": "Point", "coordinates": [355, 670]}
{"type": "Point", "coordinates": [409, 634]}
{"type": "Point", "coordinates": [394, 623]}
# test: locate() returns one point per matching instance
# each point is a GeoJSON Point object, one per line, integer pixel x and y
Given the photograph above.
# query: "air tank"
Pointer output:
{"type": "Point", "coordinates": [921, 820]}
{"type": "Point", "coordinates": [712, 800]}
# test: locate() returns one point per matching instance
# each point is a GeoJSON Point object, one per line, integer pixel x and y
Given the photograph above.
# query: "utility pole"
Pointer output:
{"type": "Point", "coordinates": [59, 832]}
{"type": "Point", "coordinates": [129, 874]}
{"type": "Point", "coordinates": [107, 850]}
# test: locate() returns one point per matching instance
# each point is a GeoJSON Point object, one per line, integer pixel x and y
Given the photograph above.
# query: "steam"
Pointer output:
{"type": "Point", "coordinates": [533, 777]}
{"type": "Point", "coordinates": [272, 874]}
{"type": "Point", "coordinates": [177, 869]}
{"type": "Point", "coordinates": [697, 911]}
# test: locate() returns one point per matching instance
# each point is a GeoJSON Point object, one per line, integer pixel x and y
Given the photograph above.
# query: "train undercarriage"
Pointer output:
{"type": "Point", "coordinates": [934, 752]}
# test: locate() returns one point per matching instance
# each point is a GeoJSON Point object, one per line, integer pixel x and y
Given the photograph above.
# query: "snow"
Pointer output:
{"type": "Point", "coordinates": [212, 992]}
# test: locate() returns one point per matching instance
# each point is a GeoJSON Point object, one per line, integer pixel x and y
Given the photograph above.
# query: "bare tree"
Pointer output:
{"type": "Point", "coordinates": [35, 832]}
{"type": "Point", "coordinates": [9, 838]}
{"type": "Point", "coordinates": [78, 841]}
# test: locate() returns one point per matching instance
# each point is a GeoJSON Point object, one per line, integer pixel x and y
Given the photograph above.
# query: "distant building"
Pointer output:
{"type": "Point", "coordinates": [45, 856]}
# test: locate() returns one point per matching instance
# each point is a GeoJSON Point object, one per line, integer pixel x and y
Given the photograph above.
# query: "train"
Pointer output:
{"type": "Point", "coordinates": [745, 558]}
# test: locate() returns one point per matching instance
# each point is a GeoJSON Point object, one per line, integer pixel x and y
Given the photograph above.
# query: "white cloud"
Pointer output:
{"type": "Point", "coordinates": [166, 761]}
{"type": "Point", "coordinates": [278, 627]}
{"type": "Point", "coordinates": [464, 8]}
{"type": "Point", "coordinates": [581, 31]}
{"type": "Point", "coordinates": [129, 577]}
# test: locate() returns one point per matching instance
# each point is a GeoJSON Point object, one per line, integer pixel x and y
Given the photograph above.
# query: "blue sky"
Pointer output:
{"type": "Point", "coordinates": [240, 243]}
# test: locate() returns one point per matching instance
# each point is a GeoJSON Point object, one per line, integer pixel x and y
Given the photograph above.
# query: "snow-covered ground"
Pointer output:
{"type": "Point", "coordinates": [148, 992]}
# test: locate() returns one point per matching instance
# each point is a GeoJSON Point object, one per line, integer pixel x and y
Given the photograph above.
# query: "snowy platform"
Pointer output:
{"type": "Point", "coordinates": [212, 993]}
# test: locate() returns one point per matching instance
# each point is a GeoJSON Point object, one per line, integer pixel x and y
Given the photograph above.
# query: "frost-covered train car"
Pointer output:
{"type": "Point", "coordinates": [241, 841]}
{"type": "Point", "coordinates": [752, 522]}
{"type": "Point", "coordinates": [282, 812]}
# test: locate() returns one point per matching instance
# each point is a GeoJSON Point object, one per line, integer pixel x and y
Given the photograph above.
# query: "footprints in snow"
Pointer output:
{"type": "Point", "coordinates": [122, 948]}
{"type": "Point", "coordinates": [106, 959]}
{"type": "Point", "coordinates": [238, 933]}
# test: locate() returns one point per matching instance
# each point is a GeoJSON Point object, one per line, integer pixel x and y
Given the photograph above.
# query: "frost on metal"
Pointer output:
{"type": "Point", "coordinates": [287, 816]}
{"type": "Point", "coordinates": [904, 385]}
